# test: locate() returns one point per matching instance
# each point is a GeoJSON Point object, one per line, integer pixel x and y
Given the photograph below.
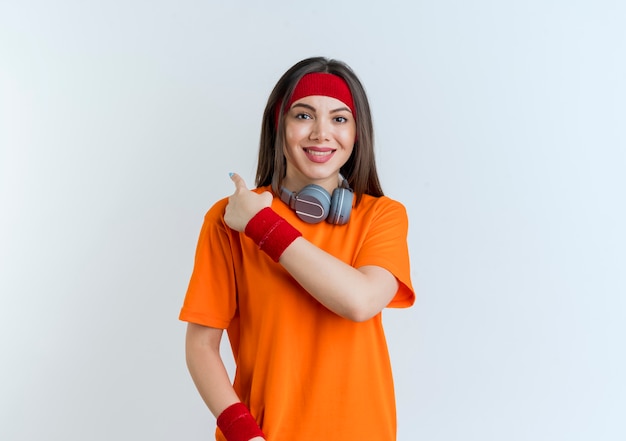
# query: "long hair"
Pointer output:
{"type": "Point", "coordinates": [359, 170]}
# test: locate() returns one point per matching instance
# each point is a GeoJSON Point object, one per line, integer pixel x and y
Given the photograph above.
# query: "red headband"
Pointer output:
{"type": "Point", "coordinates": [319, 83]}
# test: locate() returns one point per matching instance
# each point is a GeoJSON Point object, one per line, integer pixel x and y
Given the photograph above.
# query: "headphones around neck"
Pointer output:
{"type": "Point", "coordinates": [314, 204]}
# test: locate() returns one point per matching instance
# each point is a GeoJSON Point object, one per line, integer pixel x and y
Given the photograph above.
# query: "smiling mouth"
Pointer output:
{"type": "Point", "coordinates": [317, 152]}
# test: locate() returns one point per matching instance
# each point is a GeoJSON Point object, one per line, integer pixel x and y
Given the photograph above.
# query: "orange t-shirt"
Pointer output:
{"type": "Point", "coordinates": [306, 373]}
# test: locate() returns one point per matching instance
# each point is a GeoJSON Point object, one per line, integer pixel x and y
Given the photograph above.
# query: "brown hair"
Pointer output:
{"type": "Point", "coordinates": [359, 170]}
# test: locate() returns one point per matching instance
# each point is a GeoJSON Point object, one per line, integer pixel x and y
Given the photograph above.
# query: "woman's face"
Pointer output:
{"type": "Point", "coordinates": [319, 133]}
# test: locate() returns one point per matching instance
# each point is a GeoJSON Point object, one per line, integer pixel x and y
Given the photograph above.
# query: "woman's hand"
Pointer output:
{"type": "Point", "coordinates": [244, 204]}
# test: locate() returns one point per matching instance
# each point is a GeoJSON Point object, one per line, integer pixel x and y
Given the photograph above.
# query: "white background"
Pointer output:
{"type": "Point", "coordinates": [500, 125]}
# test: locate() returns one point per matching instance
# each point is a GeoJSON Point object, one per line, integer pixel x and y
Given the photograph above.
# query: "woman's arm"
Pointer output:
{"type": "Point", "coordinates": [207, 369]}
{"type": "Point", "coordinates": [354, 293]}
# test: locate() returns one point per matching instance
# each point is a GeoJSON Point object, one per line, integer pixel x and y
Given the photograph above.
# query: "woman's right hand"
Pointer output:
{"type": "Point", "coordinates": [243, 204]}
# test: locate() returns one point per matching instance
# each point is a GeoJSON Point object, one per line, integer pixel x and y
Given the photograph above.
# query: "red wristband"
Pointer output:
{"type": "Point", "coordinates": [271, 233]}
{"type": "Point", "coordinates": [237, 423]}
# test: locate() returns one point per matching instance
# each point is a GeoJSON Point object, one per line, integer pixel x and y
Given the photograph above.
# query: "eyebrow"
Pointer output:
{"type": "Point", "coordinates": [307, 106]}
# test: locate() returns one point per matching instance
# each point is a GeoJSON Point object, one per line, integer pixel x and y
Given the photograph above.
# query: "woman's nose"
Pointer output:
{"type": "Point", "coordinates": [320, 129]}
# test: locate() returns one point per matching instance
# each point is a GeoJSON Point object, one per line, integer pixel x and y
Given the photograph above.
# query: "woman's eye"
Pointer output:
{"type": "Point", "coordinates": [341, 119]}
{"type": "Point", "coordinates": [303, 116]}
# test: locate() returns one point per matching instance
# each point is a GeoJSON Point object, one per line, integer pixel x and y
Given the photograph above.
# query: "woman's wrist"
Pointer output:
{"type": "Point", "coordinates": [237, 424]}
{"type": "Point", "coordinates": [272, 233]}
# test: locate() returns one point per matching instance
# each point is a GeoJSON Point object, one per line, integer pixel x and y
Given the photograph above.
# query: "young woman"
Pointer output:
{"type": "Point", "coordinates": [298, 271]}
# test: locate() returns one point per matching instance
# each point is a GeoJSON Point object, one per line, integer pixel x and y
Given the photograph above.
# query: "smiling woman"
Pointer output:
{"type": "Point", "coordinates": [301, 299]}
{"type": "Point", "coordinates": [319, 136]}
{"type": "Point", "coordinates": [319, 77]}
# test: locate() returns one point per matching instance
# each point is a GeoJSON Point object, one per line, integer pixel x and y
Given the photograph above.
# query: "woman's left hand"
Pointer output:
{"type": "Point", "coordinates": [243, 204]}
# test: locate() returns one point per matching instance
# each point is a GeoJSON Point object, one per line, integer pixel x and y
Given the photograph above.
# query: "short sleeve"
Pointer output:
{"type": "Point", "coordinates": [211, 296]}
{"type": "Point", "coordinates": [385, 245]}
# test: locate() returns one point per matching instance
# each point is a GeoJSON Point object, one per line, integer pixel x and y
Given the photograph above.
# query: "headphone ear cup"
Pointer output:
{"type": "Point", "coordinates": [312, 204]}
{"type": "Point", "coordinates": [340, 206]}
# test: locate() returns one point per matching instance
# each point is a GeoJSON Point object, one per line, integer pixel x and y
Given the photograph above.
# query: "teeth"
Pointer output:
{"type": "Point", "coordinates": [317, 153]}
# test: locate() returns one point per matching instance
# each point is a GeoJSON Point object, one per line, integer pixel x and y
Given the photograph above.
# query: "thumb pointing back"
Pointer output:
{"type": "Point", "coordinates": [240, 184]}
